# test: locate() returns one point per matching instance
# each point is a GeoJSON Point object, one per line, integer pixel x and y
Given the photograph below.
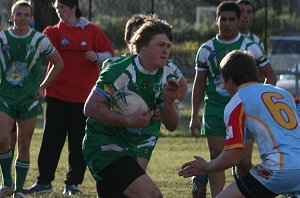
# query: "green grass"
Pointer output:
{"type": "Point", "coordinates": [172, 150]}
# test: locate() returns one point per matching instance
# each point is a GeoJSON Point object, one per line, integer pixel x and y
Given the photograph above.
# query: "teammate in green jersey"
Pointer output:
{"type": "Point", "coordinates": [22, 50]}
{"type": "Point", "coordinates": [209, 89]}
{"type": "Point", "coordinates": [109, 147]}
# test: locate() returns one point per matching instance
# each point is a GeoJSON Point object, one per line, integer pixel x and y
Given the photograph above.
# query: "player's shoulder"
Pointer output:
{"type": "Point", "coordinates": [119, 63]}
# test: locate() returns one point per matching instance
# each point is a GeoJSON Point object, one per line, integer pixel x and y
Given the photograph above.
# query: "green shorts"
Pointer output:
{"type": "Point", "coordinates": [27, 109]}
{"type": "Point", "coordinates": [145, 146]}
{"type": "Point", "coordinates": [213, 122]}
{"type": "Point", "coordinates": [213, 126]}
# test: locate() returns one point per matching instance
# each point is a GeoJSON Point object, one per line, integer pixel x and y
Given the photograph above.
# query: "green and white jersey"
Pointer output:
{"type": "Point", "coordinates": [255, 39]}
{"type": "Point", "coordinates": [104, 143]}
{"type": "Point", "coordinates": [208, 58]}
{"type": "Point", "coordinates": [127, 73]}
{"type": "Point", "coordinates": [20, 61]}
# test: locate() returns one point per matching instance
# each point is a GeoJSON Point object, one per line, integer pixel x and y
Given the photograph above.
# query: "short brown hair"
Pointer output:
{"type": "Point", "coordinates": [137, 20]}
{"type": "Point", "coordinates": [21, 3]}
{"type": "Point", "coordinates": [239, 66]}
{"type": "Point", "coordinates": [152, 26]}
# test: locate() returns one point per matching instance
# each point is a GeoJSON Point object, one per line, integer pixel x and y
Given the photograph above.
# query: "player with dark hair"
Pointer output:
{"type": "Point", "coordinates": [109, 147]}
{"type": "Point", "coordinates": [22, 50]}
{"type": "Point", "coordinates": [269, 114]}
{"type": "Point", "coordinates": [209, 89]}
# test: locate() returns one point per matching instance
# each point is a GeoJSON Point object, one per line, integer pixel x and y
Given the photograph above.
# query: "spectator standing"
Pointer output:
{"type": "Point", "coordinates": [209, 89]}
{"type": "Point", "coordinates": [82, 46]}
{"type": "Point", "coordinates": [22, 50]}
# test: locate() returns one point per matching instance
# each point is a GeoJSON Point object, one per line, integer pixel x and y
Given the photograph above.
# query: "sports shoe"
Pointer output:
{"type": "Point", "coordinates": [72, 190]}
{"type": "Point", "coordinates": [6, 191]}
{"type": "Point", "coordinates": [198, 191]}
{"type": "Point", "coordinates": [39, 189]}
{"type": "Point", "coordinates": [18, 195]}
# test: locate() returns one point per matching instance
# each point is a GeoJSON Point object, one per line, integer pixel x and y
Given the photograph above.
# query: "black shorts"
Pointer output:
{"type": "Point", "coordinates": [251, 188]}
{"type": "Point", "coordinates": [118, 176]}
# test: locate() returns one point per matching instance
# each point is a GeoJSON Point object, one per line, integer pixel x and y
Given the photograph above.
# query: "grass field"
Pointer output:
{"type": "Point", "coordinates": [169, 155]}
{"type": "Point", "coordinates": [172, 150]}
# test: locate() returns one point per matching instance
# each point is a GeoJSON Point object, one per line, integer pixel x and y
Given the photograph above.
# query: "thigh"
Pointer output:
{"type": "Point", "coordinates": [215, 145]}
{"type": "Point", "coordinates": [24, 135]}
{"type": "Point", "coordinates": [231, 191]}
{"type": "Point", "coordinates": [6, 123]}
{"type": "Point", "coordinates": [118, 179]}
{"type": "Point", "coordinates": [250, 187]}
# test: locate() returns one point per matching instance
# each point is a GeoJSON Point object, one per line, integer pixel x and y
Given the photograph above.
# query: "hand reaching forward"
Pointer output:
{"type": "Point", "coordinates": [193, 168]}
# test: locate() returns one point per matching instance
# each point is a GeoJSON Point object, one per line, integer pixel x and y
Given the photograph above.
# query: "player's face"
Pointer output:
{"type": "Point", "coordinates": [157, 52]}
{"type": "Point", "coordinates": [22, 16]}
{"type": "Point", "coordinates": [230, 87]}
{"type": "Point", "coordinates": [246, 16]}
{"type": "Point", "coordinates": [64, 12]}
{"type": "Point", "coordinates": [228, 24]}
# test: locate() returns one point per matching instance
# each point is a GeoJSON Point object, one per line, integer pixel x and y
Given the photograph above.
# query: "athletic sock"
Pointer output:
{"type": "Point", "coordinates": [22, 168]}
{"type": "Point", "coordinates": [6, 163]}
{"type": "Point", "coordinates": [203, 180]}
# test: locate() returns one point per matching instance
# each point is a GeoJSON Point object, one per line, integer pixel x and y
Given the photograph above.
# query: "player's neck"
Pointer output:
{"type": "Point", "coordinates": [244, 31]}
{"type": "Point", "coordinates": [20, 31]}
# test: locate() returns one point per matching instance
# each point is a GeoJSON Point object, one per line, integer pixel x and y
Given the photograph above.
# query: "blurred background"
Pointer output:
{"type": "Point", "coordinates": [276, 22]}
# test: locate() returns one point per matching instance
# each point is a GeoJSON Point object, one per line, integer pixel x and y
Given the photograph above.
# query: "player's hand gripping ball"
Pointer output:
{"type": "Point", "coordinates": [127, 102]}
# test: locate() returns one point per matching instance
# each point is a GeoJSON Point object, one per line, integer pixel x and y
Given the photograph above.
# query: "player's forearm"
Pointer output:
{"type": "Point", "coordinates": [170, 115]}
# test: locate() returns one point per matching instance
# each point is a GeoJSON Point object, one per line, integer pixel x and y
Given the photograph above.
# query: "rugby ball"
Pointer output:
{"type": "Point", "coordinates": [127, 102]}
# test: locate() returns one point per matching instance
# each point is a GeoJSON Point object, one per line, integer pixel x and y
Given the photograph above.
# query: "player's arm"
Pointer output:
{"type": "Point", "coordinates": [183, 87]}
{"type": "Point", "coordinates": [197, 99]}
{"type": "Point", "coordinates": [268, 73]}
{"type": "Point", "coordinates": [199, 166]}
{"type": "Point", "coordinates": [57, 65]}
{"type": "Point", "coordinates": [170, 114]}
{"type": "Point", "coordinates": [96, 108]}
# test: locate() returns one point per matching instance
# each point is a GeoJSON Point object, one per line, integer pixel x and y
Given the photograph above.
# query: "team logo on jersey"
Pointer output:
{"type": "Point", "coordinates": [229, 133]}
{"type": "Point", "coordinates": [267, 174]}
{"type": "Point", "coordinates": [157, 87]}
{"type": "Point", "coordinates": [83, 43]}
{"type": "Point", "coordinates": [30, 48]}
{"type": "Point", "coordinates": [212, 54]}
{"type": "Point", "coordinates": [6, 48]}
{"type": "Point", "coordinates": [65, 42]}
{"type": "Point", "coordinates": [18, 47]}
{"type": "Point", "coordinates": [109, 89]}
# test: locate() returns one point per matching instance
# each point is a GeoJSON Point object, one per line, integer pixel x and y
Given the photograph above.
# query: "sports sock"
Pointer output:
{"type": "Point", "coordinates": [21, 173]}
{"type": "Point", "coordinates": [6, 163]}
{"type": "Point", "coordinates": [203, 180]}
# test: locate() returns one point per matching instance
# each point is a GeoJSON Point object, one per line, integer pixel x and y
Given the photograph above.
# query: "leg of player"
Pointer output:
{"type": "Point", "coordinates": [216, 179]}
{"type": "Point", "coordinates": [26, 128]}
{"type": "Point", "coordinates": [231, 191]}
{"type": "Point", "coordinates": [199, 186]}
{"type": "Point", "coordinates": [134, 183]}
{"type": "Point", "coordinates": [6, 156]}
{"type": "Point", "coordinates": [13, 137]}
{"type": "Point", "coordinates": [143, 162]}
